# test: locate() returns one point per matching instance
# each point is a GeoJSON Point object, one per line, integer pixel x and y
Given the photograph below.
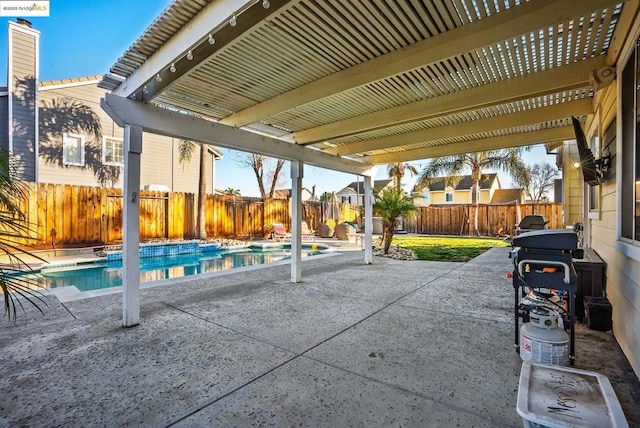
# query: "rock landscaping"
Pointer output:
{"type": "Point", "coordinates": [395, 252]}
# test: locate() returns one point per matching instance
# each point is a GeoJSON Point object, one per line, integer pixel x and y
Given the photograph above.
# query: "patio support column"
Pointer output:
{"type": "Point", "coordinates": [297, 172]}
{"type": "Point", "coordinates": [131, 227]}
{"type": "Point", "coordinates": [368, 219]}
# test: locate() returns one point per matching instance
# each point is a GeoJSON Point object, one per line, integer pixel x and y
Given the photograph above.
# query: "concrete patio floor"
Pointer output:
{"type": "Point", "coordinates": [395, 343]}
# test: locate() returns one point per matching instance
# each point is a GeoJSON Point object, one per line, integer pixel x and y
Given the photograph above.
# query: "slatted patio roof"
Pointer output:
{"type": "Point", "coordinates": [379, 81]}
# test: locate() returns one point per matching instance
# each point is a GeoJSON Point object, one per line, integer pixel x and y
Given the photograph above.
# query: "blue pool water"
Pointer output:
{"type": "Point", "coordinates": [106, 274]}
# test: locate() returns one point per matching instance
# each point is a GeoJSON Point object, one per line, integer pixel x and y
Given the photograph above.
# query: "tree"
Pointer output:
{"type": "Point", "coordinates": [325, 197]}
{"type": "Point", "coordinates": [267, 178]}
{"type": "Point", "coordinates": [391, 203]}
{"type": "Point", "coordinates": [537, 181]}
{"type": "Point", "coordinates": [185, 153]}
{"type": "Point", "coordinates": [14, 228]}
{"type": "Point", "coordinates": [396, 172]}
{"type": "Point", "coordinates": [230, 191]}
{"type": "Point", "coordinates": [507, 160]}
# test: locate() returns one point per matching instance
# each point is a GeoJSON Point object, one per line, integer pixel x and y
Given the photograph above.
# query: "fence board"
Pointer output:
{"type": "Point", "coordinates": [47, 228]}
{"type": "Point", "coordinates": [89, 191]}
{"type": "Point", "coordinates": [104, 221]}
{"type": "Point", "coordinates": [97, 215]}
{"type": "Point", "coordinates": [81, 203]}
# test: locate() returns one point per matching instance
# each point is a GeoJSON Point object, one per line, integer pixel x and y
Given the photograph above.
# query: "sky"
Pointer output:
{"type": "Point", "coordinates": [86, 37]}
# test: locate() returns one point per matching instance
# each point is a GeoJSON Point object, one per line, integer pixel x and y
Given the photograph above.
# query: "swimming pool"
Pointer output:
{"type": "Point", "coordinates": [107, 272]}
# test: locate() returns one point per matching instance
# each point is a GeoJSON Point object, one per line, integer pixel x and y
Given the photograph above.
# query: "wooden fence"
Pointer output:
{"type": "Point", "coordinates": [493, 220]}
{"type": "Point", "coordinates": [64, 215]}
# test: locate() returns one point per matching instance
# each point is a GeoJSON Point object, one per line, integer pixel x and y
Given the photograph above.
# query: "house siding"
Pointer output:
{"type": "Point", "coordinates": [573, 185]}
{"type": "Point", "coordinates": [459, 197]}
{"type": "Point", "coordinates": [623, 272]}
{"type": "Point", "coordinates": [159, 163]}
{"type": "Point", "coordinates": [485, 196]}
{"type": "Point", "coordinates": [351, 196]}
{"type": "Point", "coordinates": [4, 123]}
{"type": "Point", "coordinates": [23, 65]}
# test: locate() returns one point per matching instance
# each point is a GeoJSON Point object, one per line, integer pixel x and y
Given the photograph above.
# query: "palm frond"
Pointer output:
{"type": "Point", "coordinates": [18, 280]}
{"type": "Point", "coordinates": [186, 149]}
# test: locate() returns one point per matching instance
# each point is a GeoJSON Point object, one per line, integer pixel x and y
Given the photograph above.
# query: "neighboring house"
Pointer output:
{"type": "Point", "coordinates": [61, 135]}
{"type": "Point", "coordinates": [439, 192]}
{"type": "Point", "coordinates": [354, 192]}
{"type": "Point", "coordinates": [507, 196]}
{"type": "Point", "coordinates": [307, 195]}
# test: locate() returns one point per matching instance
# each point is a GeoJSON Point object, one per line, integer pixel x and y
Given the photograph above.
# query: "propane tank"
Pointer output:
{"type": "Point", "coordinates": [542, 341]}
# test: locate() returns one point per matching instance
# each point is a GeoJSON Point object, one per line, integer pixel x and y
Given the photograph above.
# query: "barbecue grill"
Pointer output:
{"type": "Point", "coordinates": [543, 261]}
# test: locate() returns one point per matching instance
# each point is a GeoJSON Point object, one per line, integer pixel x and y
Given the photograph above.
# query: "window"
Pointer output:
{"type": "Point", "coordinates": [630, 174]}
{"type": "Point", "coordinates": [448, 194]}
{"type": "Point", "coordinates": [73, 149]}
{"type": "Point", "coordinates": [112, 151]}
{"type": "Point", "coordinates": [425, 198]}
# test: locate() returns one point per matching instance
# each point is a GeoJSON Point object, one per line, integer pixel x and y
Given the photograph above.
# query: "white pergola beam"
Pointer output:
{"type": "Point", "coordinates": [538, 84]}
{"type": "Point", "coordinates": [506, 121]}
{"type": "Point", "coordinates": [513, 22]}
{"type": "Point", "coordinates": [173, 124]}
{"type": "Point", "coordinates": [212, 16]}
{"type": "Point", "coordinates": [478, 145]}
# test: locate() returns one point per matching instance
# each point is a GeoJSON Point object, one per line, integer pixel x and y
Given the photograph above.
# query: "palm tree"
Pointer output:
{"type": "Point", "coordinates": [230, 191]}
{"type": "Point", "coordinates": [396, 172]}
{"type": "Point", "coordinates": [14, 228]}
{"type": "Point", "coordinates": [391, 204]}
{"type": "Point", "coordinates": [185, 153]}
{"type": "Point", "coordinates": [507, 160]}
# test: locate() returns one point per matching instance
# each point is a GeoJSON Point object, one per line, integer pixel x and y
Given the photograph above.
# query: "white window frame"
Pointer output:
{"type": "Point", "coordinates": [65, 142]}
{"type": "Point", "coordinates": [104, 150]}
{"type": "Point", "coordinates": [448, 191]}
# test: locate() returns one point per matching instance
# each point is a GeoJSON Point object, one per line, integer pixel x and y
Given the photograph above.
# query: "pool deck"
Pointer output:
{"type": "Point", "coordinates": [395, 343]}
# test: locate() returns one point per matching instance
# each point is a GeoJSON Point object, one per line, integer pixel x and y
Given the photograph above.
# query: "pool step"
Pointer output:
{"type": "Point", "coordinates": [70, 267]}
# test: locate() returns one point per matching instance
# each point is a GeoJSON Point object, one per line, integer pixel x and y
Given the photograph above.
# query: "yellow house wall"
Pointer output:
{"type": "Point", "coordinates": [485, 195]}
{"type": "Point", "coordinates": [459, 197]}
{"type": "Point", "coordinates": [573, 185]}
{"type": "Point", "coordinates": [436, 197]}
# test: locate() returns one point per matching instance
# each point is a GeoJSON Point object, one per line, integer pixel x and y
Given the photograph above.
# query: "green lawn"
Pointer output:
{"type": "Point", "coordinates": [444, 248]}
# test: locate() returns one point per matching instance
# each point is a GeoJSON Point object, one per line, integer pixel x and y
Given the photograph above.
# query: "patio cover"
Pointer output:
{"type": "Point", "coordinates": [352, 84]}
